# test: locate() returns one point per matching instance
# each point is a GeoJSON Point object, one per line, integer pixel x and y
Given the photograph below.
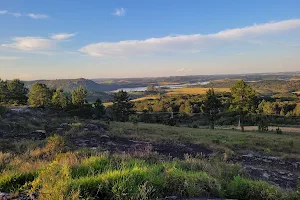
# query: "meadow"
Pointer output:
{"type": "Point", "coordinates": [57, 168]}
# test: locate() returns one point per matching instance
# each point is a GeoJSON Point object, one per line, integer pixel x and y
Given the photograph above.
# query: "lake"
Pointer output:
{"type": "Point", "coordinates": [141, 89]}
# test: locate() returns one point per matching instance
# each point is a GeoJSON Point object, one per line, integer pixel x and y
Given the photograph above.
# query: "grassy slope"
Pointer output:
{"type": "Point", "coordinates": [232, 139]}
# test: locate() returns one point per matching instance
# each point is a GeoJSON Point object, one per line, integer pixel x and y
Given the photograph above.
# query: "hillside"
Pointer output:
{"type": "Point", "coordinates": [69, 84]}
{"type": "Point", "coordinates": [95, 90]}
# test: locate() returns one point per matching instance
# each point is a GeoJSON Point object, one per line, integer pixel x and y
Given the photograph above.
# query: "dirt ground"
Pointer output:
{"type": "Point", "coordinates": [274, 170]}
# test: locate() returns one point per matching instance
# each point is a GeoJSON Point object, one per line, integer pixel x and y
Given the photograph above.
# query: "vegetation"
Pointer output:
{"type": "Point", "coordinates": [40, 95]}
{"type": "Point", "coordinates": [211, 106]}
{"type": "Point", "coordinates": [13, 92]}
{"type": "Point", "coordinates": [56, 173]}
{"type": "Point", "coordinates": [79, 96]}
{"type": "Point", "coordinates": [243, 100]}
{"type": "Point", "coordinates": [122, 107]}
{"type": "Point", "coordinates": [60, 99]}
{"type": "Point", "coordinates": [71, 163]}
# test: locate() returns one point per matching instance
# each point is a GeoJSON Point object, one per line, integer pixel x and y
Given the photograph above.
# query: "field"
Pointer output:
{"type": "Point", "coordinates": [232, 140]}
{"type": "Point", "coordinates": [93, 159]}
{"type": "Point", "coordinates": [273, 128]}
{"type": "Point", "coordinates": [133, 100]}
{"type": "Point", "coordinates": [194, 91]}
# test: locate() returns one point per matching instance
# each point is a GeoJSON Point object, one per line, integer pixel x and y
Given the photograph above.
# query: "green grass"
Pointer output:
{"type": "Point", "coordinates": [232, 139]}
{"type": "Point", "coordinates": [127, 177]}
{"type": "Point", "coordinates": [89, 175]}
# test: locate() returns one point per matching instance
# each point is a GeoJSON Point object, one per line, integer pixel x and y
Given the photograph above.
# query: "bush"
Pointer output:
{"type": "Point", "coordinates": [3, 110]}
{"type": "Point", "coordinates": [53, 182]}
{"type": "Point", "coordinates": [14, 182]}
{"type": "Point", "coordinates": [245, 189]}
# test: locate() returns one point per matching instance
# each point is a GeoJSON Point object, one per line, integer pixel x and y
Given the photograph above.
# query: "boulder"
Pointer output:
{"type": "Point", "coordinates": [64, 126]}
{"type": "Point", "coordinates": [91, 127]}
{"type": "Point", "coordinates": [104, 138]}
{"type": "Point", "coordinates": [38, 135]}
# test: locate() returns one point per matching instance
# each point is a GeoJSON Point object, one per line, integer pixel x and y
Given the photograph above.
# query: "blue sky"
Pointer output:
{"type": "Point", "coordinates": [53, 39]}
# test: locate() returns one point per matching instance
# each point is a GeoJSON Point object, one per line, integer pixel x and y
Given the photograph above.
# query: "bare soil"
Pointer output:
{"type": "Point", "coordinates": [274, 170]}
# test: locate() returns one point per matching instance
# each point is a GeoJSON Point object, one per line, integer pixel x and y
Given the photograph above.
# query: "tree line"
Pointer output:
{"type": "Point", "coordinates": [40, 96]}
{"type": "Point", "coordinates": [242, 100]}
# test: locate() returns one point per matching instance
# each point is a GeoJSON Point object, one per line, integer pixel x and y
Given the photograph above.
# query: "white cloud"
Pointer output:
{"type": "Point", "coordinates": [17, 14]}
{"type": "Point", "coordinates": [3, 12]}
{"type": "Point", "coordinates": [30, 43]}
{"type": "Point", "coordinates": [37, 16]}
{"type": "Point", "coordinates": [9, 58]}
{"type": "Point", "coordinates": [180, 70]}
{"type": "Point", "coordinates": [191, 43]}
{"type": "Point", "coordinates": [62, 36]}
{"type": "Point", "coordinates": [119, 12]}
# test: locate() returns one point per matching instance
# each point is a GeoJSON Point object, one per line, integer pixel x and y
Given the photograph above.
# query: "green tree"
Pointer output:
{"type": "Point", "coordinates": [60, 99]}
{"type": "Point", "coordinates": [17, 92]}
{"type": "Point", "coordinates": [150, 88]}
{"type": "Point", "coordinates": [265, 107]}
{"type": "Point", "coordinates": [243, 100]}
{"type": "Point", "coordinates": [211, 106]}
{"type": "Point", "coordinates": [39, 95]}
{"type": "Point", "coordinates": [122, 107]}
{"type": "Point", "coordinates": [186, 108]}
{"type": "Point", "coordinates": [79, 96]}
{"type": "Point", "coordinates": [99, 108]}
{"type": "Point", "coordinates": [3, 92]}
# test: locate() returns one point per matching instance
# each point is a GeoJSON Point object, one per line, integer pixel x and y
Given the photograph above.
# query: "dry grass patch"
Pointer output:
{"type": "Point", "coordinates": [179, 91]}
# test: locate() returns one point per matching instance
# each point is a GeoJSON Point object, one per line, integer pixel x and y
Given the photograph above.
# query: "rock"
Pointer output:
{"type": "Point", "coordinates": [60, 131]}
{"type": "Point", "coordinates": [33, 195]}
{"type": "Point", "coordinates": [110, 143]}
{"type": "Point", "coordinates": [266, 175]}
{"type": "Point", "coordinates": [91, 127]}
{"type": "Point", "coordinates": [171, 197]}
{"type": "Point", "coordinates": [4, 196]}
{"type": "Point", "coordinates": [38, 135]}
{"type": "Point", "coordinates": [106, 137]}
{"type": "Point", "coordinates": [64, 126]}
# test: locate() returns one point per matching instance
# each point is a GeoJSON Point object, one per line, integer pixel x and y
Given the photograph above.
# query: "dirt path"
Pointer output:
{"type": "Point", "coordinates": [119, 145]}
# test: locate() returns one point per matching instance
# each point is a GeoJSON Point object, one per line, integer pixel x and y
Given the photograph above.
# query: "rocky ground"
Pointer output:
{"type": "Point", "coordinates": [274, 170]}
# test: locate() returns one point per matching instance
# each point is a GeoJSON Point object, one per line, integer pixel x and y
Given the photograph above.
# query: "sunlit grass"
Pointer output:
{"type": "Point", "coordinates": [194, 91]}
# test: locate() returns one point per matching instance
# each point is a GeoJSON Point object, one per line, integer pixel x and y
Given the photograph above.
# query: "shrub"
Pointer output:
{"type": "Point", "coordinates": [53, 182]}
{"type": "Point", "coordinates": [190, 184]}
{"type": "Point", "coordinates": [14, 181]}
{"type": "Point", "coordinates": [3, 110]}
{"type": "Point", "coordinates": [245, 189]}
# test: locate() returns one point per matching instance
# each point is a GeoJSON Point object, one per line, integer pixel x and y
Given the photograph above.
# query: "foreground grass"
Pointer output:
{"type": "Point", "coordinates": [219, 138]}
{"type": "Point", "coordinates": [88, 175]}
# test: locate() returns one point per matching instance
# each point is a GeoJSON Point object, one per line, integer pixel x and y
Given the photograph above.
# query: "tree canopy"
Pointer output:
{"type": "Point", "coordinates": [60, 99]}
{"type": "Point", "coordinates": [40, 95]}
{"type": "Point", "coordinates": [243, 99]}
{"type": "Point", "coordinates": [122, 107]}
{"type": "Point", "coordinates": [79, 96]}
{"type": "Point", "coordinates": [211, 106]}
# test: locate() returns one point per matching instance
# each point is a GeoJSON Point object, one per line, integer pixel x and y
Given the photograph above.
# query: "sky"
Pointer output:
{"type": "Point", "coordinates": [54, 39]}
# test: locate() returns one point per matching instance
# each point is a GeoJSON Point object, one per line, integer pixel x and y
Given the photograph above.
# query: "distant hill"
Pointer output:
{"type": "Point", "coordinates": [69, 84]}
{"type": "Point", "coordinates": [95, 90]}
